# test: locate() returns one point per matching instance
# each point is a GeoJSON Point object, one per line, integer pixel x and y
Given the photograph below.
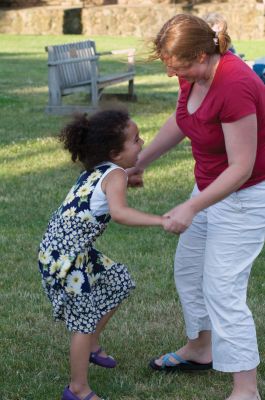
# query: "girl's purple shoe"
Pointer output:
{"type": "Point", "coordinates": [68, 395]}
{"type": "Point", "coordinates": [105, 362]}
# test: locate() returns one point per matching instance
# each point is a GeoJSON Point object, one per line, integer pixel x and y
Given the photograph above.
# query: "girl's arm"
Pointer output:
{"type": "Point", "coordinates": [114, 185]}
{"type": "Point", "coordinates": [241, 147]}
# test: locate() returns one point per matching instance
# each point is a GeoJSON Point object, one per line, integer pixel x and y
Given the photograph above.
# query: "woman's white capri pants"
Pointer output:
{"type": "Point", "coordinates": [212, 266]}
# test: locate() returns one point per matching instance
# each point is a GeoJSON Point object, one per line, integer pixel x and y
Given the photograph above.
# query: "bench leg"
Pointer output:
{"type": "Point", "coordinates": [55, 98]}
{"type": "Point", "coordinates": [131, 89]}
{"type": "Point", "coordinates": [94, 94]}
{"type": "Point", "coordinates": [55, 101]}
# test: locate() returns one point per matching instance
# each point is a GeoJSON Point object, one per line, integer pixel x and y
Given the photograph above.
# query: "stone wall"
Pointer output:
{"type": "Point", "coordinates": [14, 4]}
{"type": "Point", "coordinates": [81, 3]}
{"type": "Point", "coordinates": [245, 18]}
{"type": "Point", "coordinates": [139, 21]}
{"type": "Point", "coordinates": [33, 21]}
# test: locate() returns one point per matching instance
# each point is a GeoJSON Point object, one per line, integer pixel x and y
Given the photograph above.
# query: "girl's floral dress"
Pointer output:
{"type": "Point", "coordinates": [81, 283]}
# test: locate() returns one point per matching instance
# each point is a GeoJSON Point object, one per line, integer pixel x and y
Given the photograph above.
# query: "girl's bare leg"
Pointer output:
{"type": "Point", "coordinates": [100, 327]}
{"type": "Point", "coordinates": [79, 356]}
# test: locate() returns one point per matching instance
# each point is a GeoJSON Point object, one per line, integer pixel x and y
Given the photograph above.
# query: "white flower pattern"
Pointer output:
{"type": "Point", "coordinates": [106, 261]}
{"type": "Point", "coordinates": [74, 282]}
{"type": "Point", "coordinates": [70, 198]}
{"type": "Point", "coordinates": [45, 257]}
{"type": "Point", "coordinates": [70, 212]}
{"type": "Point", "coordinates": [79, 260]}
{"type": "Point", "coordinates": [84, 190]}
{"type": "Point", "coordinates": [86, 216]}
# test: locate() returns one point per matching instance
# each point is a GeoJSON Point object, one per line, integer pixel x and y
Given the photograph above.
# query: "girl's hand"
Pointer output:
{"type": "Point", "coordinates": [135, 177]}
{"type": "Point", "coordinates": [179, 218]}
{"type": "Point", "coordinates": [165, 222]}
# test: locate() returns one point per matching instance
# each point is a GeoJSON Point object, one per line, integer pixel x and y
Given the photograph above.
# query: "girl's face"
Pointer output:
{"type": "Point", "coordinates": [132, 146]}
{"type": "Point", "coordinates": [192, 71]}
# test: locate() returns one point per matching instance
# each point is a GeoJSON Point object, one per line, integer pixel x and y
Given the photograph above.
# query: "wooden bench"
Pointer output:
{"type": "Point", "coordinates": [74, 67]}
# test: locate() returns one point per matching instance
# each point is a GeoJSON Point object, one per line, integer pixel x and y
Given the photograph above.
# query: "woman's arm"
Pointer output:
{"type": "Point", "coordinates": [115, 187]}
{"type": "Point", "coordinates": [241, 146]}
{"type": "Point", "coordinates": [168, 137]}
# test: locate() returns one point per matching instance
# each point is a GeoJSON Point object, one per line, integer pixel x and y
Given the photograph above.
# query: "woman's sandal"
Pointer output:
{"type": "Point", "coordinates": [105, 362]}
{"type": "Point", "coordinates": [181, 365]}
{"type": "Point", "coordinates": [68, 395]}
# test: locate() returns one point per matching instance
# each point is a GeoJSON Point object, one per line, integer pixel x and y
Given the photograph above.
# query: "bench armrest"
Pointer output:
{"type": "Point", "coordinates": [130, 56]}
{"type": "Point", "coordinates": [123, 51]}
{"type": "Point", "coordinates": [72, 60]}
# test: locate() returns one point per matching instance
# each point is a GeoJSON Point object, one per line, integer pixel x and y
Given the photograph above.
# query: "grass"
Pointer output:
{"type": "Point", "coordinates": [35, 176]}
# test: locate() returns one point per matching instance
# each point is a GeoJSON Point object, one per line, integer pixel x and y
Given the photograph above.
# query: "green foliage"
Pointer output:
{"type": "Point", "coordinates": [35, 176]}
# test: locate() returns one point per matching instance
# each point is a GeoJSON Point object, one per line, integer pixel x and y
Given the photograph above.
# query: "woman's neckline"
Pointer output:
{"type": "Point", "coordinates": [208, 86]}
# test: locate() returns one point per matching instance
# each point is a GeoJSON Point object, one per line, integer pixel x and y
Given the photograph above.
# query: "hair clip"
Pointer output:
{"type": "Point", "coordinates": [215, 39]}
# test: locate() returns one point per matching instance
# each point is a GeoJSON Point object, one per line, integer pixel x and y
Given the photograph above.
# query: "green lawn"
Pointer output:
{"type": "Point", "coordinates": [35, 175]}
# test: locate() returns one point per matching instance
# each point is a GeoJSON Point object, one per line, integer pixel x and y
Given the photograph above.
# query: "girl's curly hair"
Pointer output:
{"type": "Point", "coordinates": [91, 139]}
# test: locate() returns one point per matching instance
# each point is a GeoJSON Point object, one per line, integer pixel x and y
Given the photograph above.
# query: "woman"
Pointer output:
{"type": "Point", "coordinates": [221, 109]}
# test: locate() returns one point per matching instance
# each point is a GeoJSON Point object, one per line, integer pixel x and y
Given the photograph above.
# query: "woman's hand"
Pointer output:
{"type": "Point", "coordinates": [179, 218]}
{"type": "Point", "coordinates": [135, 177]}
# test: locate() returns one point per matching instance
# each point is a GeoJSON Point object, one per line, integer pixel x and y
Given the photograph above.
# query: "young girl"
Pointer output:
{"type": "Point", "coordinates": [84, 286]}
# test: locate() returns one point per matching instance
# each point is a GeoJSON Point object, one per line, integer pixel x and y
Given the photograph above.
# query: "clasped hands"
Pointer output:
{"type": "Point", "coordinates": [178, 219]}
